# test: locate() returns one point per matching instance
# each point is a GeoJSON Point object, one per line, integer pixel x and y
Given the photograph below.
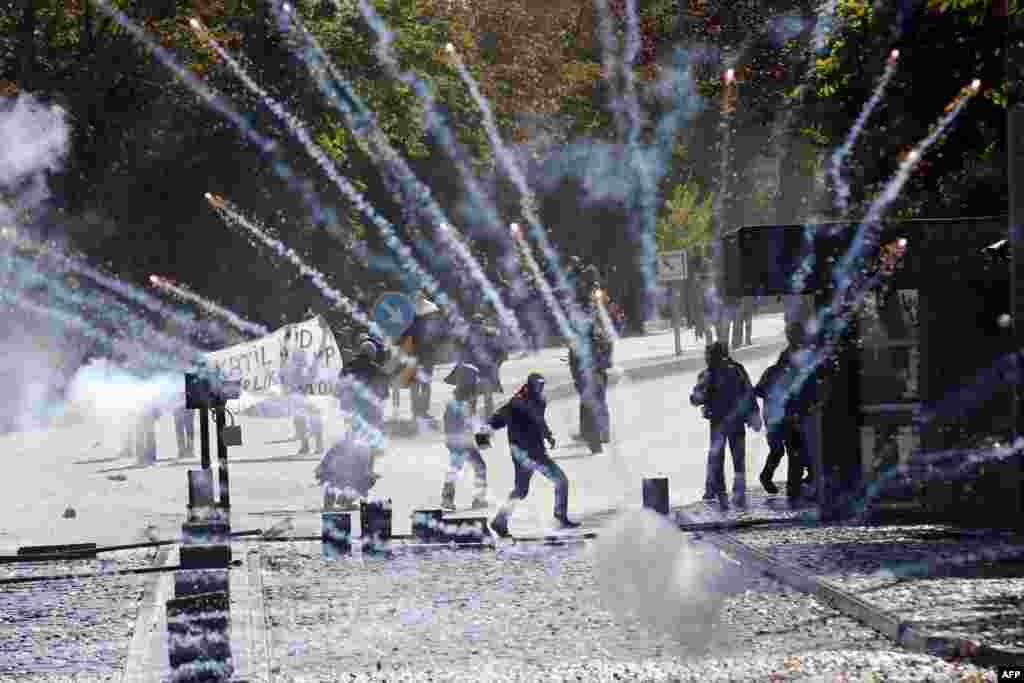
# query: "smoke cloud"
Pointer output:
{"type": "Point", "coordinates": [33, 141]}
{"type": "Point", "coordinates": [649, 571]}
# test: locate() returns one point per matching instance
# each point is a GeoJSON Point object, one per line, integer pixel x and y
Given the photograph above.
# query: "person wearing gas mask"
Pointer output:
{"type": "Point", "coordinates": [727, 401]}
{"type": "Point", "coordinates": [528, 430]}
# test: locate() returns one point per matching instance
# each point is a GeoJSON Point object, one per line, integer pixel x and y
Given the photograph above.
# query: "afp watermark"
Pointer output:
{"type": "Point", "coordinates": [1010, 673]}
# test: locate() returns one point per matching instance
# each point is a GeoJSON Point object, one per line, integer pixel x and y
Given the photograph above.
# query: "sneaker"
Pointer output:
{"type": "Point", "coordinates": [566, 523]}
{"type": "Point", "coordinates": [740, 502]}
{"type": "Point", "coordinates": [500, 526]}
{"type": "Point", "coordinates": [448, 505]}
{"type": "Point", "coordinates": [479, 504]}
{"type": "Point", "coordinates": [768, 484]}
{"type": "Point", "coordinates": [304, 450]}
{"type": "Point", "coordinates": [723, 501]}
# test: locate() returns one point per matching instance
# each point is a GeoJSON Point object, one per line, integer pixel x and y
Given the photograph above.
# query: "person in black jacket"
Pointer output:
{"type": "Point", "coordinates": [527, 432]}
{"type": "Point", "coordinates": [781, 431]}
{"type": "Point", "coordinates": [727, 399]}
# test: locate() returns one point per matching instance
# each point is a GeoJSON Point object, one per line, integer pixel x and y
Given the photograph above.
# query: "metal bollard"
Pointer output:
{"type": "Point", "coordinates": [199, 638]}
{"type": "Point", "coordinates": [200, 494]}
{"type": "Point", "coordinates": [375, 524]}
{"type": "Point", "coordinates": [426, 525]}
{"type": "Point", "coordinates": [655, 495]}
{"type": "Point", "coordinates": [335, 534]}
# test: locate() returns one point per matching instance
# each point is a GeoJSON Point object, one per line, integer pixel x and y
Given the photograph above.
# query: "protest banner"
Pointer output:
{"type": "Point", "coordinates": [300, 359]}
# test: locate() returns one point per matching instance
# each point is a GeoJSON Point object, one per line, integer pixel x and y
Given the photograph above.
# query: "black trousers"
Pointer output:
{"type": "Point", "coordinates": [786, 439]}
{"type": "Point", "coordinates": [526, 464]}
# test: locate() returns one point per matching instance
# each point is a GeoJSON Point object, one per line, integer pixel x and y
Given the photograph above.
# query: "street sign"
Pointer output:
{"type": "Point", "coordinates": [672, 266]}
{"type": "Point", "coordinates": [394, 312]}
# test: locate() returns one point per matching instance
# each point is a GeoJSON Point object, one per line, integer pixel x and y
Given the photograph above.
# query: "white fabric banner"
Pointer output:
{"type": "Point", "coordinates": [298, 359]}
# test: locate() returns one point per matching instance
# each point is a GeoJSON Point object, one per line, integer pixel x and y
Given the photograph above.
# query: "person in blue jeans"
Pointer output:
{"type": "Point", "coordinates": [460, 426]}
{"type": "Point", "coordinates": [727, 400]}
{"type": "Point", "coordinates": [523, 415]}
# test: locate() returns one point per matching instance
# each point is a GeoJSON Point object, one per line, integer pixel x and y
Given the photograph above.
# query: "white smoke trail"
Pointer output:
{"type": "Point", "coordinates": [850, 284]}
{"type": "Point", "coordinates": [208, 96]}
{"type": "Point", "coordinates": [239, 323]}
{"type": "Point", "coordinates": [895, 185]}
{"type": "Point", "coordinates": [527, 200]}
{"type": "Point", "coordinates": [631, 51]}
{"type": "Point", "coordinates": [609, 59]}
{"type": "Point", "coordinates": [836, 167]}
{"type": "Point", "coordinates": [823, 27]}
{"type": "Point", "coordinates": [298, 129]}
{"type": "Point", "coordinates": [389, 160]}
{"type": "Point", "coordinates": [232, 215]}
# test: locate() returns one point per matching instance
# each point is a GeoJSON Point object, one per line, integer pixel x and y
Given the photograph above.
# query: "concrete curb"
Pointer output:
{"type": "Point", "coordinates": [250, 636]}
{"type": "Point", "coordinates": [901, 632]}
{"type": "Point", "coordinates": [141, 665]}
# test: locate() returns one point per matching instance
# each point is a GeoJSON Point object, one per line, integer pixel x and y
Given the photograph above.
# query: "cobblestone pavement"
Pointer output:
{"type": "Point", "coordinates": [538, 613]}
{"type": "Point", "coordinates": [941, 579]}
{"type": "Point", "coordinates": [936, 578]}
{"type": "Point", "coordinates": [72, 629]}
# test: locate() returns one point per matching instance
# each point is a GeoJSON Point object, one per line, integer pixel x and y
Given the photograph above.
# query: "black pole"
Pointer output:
{"type": "Point", "coordinates": [222, 458]}
{"type": "Point", "coordinates": [1014, 60]}
{"type": "Point", "coordinates": [204, 437]}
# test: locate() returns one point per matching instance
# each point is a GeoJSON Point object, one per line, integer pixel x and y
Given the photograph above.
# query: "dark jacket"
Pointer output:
{"type": "Point", "coordinates": [524, 417]}
{"type": "Point", "coordinates": [773, 387]}
{"type": "Point", "coordinates": [725, 392]}
{"type": "Point", "coordinates": [366, 401]}
{"type": "Point", "coordinates": [802, 394]}
{"type": "Point", "coordinates": [484, 348]}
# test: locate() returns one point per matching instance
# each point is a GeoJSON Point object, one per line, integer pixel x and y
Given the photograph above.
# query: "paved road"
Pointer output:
{"type": "Point", "coordinates": [655, 432]}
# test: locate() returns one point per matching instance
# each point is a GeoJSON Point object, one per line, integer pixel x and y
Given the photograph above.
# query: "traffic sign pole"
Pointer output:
{"type": "Point", "coordinates": [676, 322]}
{"type": "Point", "coordinates": [672, 270]}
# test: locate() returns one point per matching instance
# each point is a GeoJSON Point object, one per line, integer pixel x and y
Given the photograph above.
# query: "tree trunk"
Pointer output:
{"type": "Point", "coordinates": [27, 48]}
{"type": "Point", "coordinates": [85, 32]}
